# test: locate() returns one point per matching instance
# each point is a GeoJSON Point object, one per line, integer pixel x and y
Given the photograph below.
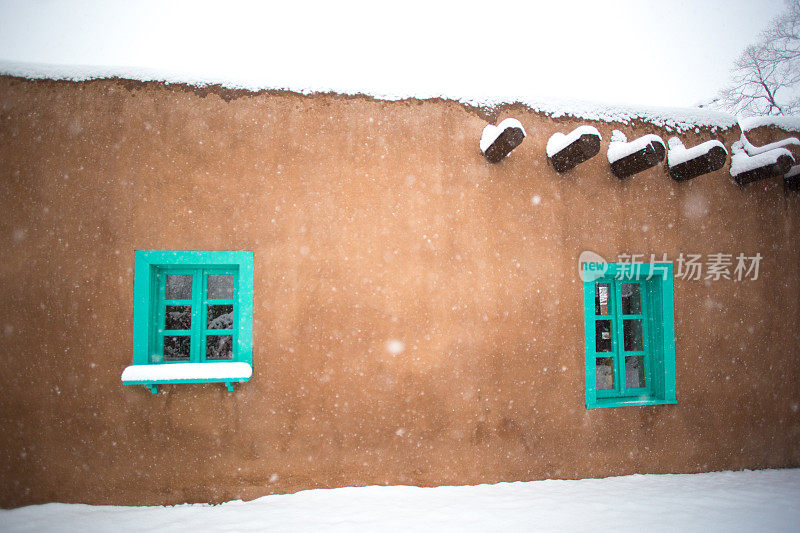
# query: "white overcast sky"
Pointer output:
{"type": "Point", "coordinates": [666, 52]}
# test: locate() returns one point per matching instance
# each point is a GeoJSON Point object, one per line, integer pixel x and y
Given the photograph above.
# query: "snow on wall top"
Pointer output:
{"type": "Point", "coordinates": [675, 119]}
{"type": "Point", "coordinates": [786, 123]}
{"type": "Point", "coordinates": [671, 118]}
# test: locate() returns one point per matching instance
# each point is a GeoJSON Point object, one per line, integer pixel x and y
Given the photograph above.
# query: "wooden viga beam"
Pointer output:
{"type": "Point", "coordinates": [688, 163]}
{"type": "Point", "coordinates": [498, 141]}
{"type": "Point", "coordinates": [566, 152]}
{"type": "Point", "coordinates": [629, 158]}
{"type": "Point", "coordinates": [747, 169]}
{"type": "Point", "coordinates": [791, 180]}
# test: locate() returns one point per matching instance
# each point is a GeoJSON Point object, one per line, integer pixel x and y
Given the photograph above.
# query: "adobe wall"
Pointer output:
{"type": "Point", "coordinates": [370, 221]}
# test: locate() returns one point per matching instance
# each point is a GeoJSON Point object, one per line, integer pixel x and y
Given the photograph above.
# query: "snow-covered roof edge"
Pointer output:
{"type": "Point", "coordinates": [671, 118]}
{"type": "Point", "coordinates": [784, 122]}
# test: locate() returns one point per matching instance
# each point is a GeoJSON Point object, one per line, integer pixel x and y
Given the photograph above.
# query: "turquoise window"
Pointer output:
{"type": "Point", "coordinates": [629, 334]}
{"type": "Point", "coordinates": [192, 318]}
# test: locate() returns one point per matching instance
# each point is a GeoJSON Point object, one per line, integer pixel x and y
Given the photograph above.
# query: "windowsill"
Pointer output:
{"type": "Point", "coordinates": [623, 402]}
{"type": "Point", "coordinates": [217, 372]}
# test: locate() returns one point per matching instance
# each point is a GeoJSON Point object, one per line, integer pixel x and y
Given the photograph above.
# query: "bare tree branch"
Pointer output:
{"type": "Point", "coordinates": [765, 80]}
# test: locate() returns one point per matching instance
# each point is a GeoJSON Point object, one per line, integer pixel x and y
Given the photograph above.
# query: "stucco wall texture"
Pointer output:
{"type": "Point", "coordinates": [370, 222]}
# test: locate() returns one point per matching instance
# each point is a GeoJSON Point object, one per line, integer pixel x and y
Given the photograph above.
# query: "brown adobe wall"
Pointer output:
{"type": "Point", "coordinates": [370, 221]}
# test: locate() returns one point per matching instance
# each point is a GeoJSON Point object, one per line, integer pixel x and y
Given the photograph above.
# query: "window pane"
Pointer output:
{"type": "Point", "coordinates": [177, 348]}
{"type": "Point", "coordinates": [220, 286]}
{"type": "Point", "coordinates": [601, 298]}
{"type": "Point", "coordinates": [602, 332]}
{"type": "Point", "coordinates": [605, 373]}
{"type": "Point", "coordinates": [178, 317]}
{"type": "Point", "coordinates": [179, 286]}
{"type": "Point", "coordinates": [631, 299]}
{"type": "Point", "coordinates": [219, 347]}
{"type": "Point", "coordinates": [632, 331]}
{"type": "Point", "coordinates": [634, 372]}
{"type": "Point", "coordinates": [219, 317]}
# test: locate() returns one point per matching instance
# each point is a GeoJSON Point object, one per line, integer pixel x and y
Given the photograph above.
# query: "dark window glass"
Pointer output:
{"type": "Point", "coordinates": [177, 348]}
{"type": "Point", "coordinates": [220, 286]}
{"type": "Point", "coordinates": [601, 291]}
{"type": "Point", "coordinates": [178, 317]}
{"type": "Point", "coordinates": [219, 317]}
{"type": "Point", "coordinates": [602, 331]}
{"type": "Point", "coordinates": [605, 373]}
{"type": "Point", "coordinates": [631, 299]}
{"type": "Point", "coordinates": [219, 347]}
{"type": "Point", "coordinates": [634, 372]}
{"type": "Point", "coordinates": [632, 331]}
{"type": "Point", "coordinates": [179, 286]}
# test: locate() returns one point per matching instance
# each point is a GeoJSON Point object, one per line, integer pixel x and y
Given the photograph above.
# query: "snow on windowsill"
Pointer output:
{"type": "Point", "coordinates": [172, 371]}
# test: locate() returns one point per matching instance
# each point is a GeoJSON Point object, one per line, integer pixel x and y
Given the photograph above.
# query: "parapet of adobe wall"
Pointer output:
{"type": "Point", "coordinates": [370, 222]}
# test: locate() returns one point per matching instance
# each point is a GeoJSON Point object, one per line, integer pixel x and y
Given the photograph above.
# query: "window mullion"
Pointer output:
{"type": "Point", "coordinates": [206, 302]}
{"type": "Point", "coordinates": [197, 308]}
{"type": "Point", "coordinates": [619, 338]}
{"type": "Point", "coordinates": [647, 328]}
{"type": "Point", "coordinates": [235, 316]}
{"type": "Point", "coordinates": [616, 346]}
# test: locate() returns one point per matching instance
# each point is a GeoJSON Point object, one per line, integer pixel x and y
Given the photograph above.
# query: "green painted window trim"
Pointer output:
{"type": "Point", "coordinates": [658, 314]}
{"type": "Point", "coordinates": [147, 312]}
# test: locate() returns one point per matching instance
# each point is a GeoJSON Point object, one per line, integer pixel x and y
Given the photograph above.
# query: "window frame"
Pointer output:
{"type": "Point", "coordinates": [148, 304]}
{"type": "Point", "coordinates": [658, 324]}
{"type": "Point", "coordinates": [200, 301]}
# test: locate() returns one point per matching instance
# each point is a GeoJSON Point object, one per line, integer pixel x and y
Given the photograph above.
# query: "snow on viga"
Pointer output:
{"type": "Point", "coordinates": [558, 141]}
{"type": "Point", "coordinates": [619, 146]}
{"type": "Point", "coordinates": [491, 133]}
{"type": "Point", "coordinates": [741, 162]}
{"type": "Point", "coordinates": [678, 153]}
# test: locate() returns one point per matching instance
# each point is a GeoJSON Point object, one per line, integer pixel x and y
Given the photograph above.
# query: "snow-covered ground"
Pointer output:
{"type": "Point", "coordinates": [754, 501]}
